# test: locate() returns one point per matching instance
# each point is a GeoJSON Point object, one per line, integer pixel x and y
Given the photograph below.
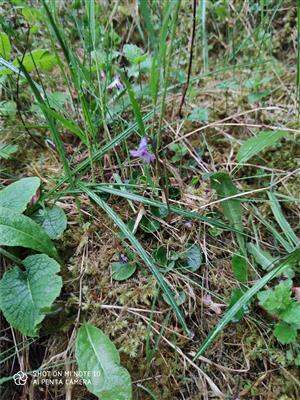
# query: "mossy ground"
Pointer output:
{"type": "Point", "coordinates": [245, 361]}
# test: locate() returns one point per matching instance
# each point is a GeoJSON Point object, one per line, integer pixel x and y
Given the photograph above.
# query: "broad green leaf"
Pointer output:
{"type": "Point", "coordinates": [223, 185]}
{"type": "Point", "coordinates": [193, 258]}
{"type": "Point", "coordinates": [122, 271]}
{"type": "Point", "coordinates": [98, 356]}
{"type": "Point", "coordinates": [180, 151]}
{"type": "Point", "coordinates": [8, 107]}
{"type": "Point", "coordinates": [31, 14]}
{"type": "Point", "coordinates": [160, 255]}
{"type": "Point", "coordinates": [279, 267]}
{"type": "Point", "coordinates": [149, 225]}
{"type": "Point", "coordinates": [285, 333]}
{"type": "Point", "coordinates": [199, 114]}
{"type": "Point", "coordinates": [18, 230]}
{"type": "Point", "coordinates": [26, 295]}
{"type": "Point", "coordinates": [253, 97]}
{"type": "Point", "coordinates": [17, 195]}
{"type": "Point", "coordinates": [52, 219]}
{"type": "Point", "coordinates": [159, 212]}
{"type": "Point", "coordinates": [5, 47]}
{"type": "Point", "coordinates": [262, 257]}
{"type": "Point", "coordinates": [292, 314]}
{"type": "Point", "coordinates": [256, 144]}
{"type": "Point", "coordinates": [240, 268]}
{"type": "Point", "coordinates": [7, 149]}
{"type": "Point", "coordinates": [39, 58]}
{"type": "Point", "coordinates": [134, 54]}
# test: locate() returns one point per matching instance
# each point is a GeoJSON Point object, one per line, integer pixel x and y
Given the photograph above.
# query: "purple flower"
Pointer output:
{"type": "Point", "coordinates": [116, 84]}
{"type": "Point", "coordinates": [143, 152]}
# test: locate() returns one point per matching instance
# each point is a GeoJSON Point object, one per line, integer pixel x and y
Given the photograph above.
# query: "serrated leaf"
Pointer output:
{"type": "Point", "coordinates": [5, 47]}
{"type": "Point", "coordinates": [278, 299]}
{"type": "Point", "coordinates": [240, 268]}
{"type": "Point", "coordinates": [122, 271]}
{"type": "Point", "coordinates": [17, 195]}
{"type": "Point", "coordinates": [18, 230]}
{"type": "Point", "coordinates": [52, 219]}
{"type": "Point", "coordinates": [256, 144]}
{"type": "Point", "coordinates": [279, 266]}
{"type": "Point", "coordinates": [134, 54]}
{"type": "Point", "coordinates": [98, 356]}
{"type": "Point", "coordinates": [25, 295]}
{"type": "Point", "coordinates": [292, 314]}
{"type": "Point", "coordinates": [223, 185]}
{"type": "Point", "coordinates": [285, 333]}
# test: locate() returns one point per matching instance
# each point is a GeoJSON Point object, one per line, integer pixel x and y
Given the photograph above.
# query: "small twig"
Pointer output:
{"type": "Point", "coordinates": [191, 58]}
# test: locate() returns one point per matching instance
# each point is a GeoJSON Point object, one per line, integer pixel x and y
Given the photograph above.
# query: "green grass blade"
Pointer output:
{"type": "Point", "coordinates": [204, 36]}
{"type": "Point", "coordinates": [262, 257]}
{"type": "Point", "coordinates": [285, 244]}
{"type": "Point", "coordinates": [279, 267]}
{"type": "Point", "coordinates": [66, 123]}
{"type": "Point", "coordinates": [145, 11]}
{"type": "Point", "coordinates": [222, 183]}
{"type": "Point", "coordinates": [159, 204]}
{"type": "Point", "coordinates": [135, 105]}
{"type": "Point", "coordinates": [282, 222]}
{"type": "Point", "coordinates": [141, 251]}
{"type": "Point", "coordinates": [55, 134]}
{"type": "Point", "coordinates": [104, 150]}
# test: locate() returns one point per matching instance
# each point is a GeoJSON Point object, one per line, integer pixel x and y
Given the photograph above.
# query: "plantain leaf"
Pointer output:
{"type": "Point", "coordinates": [98, 357]}
{"type": "Point", "coordinates": [17, 195]}
{"type": "Point", "coordinates": [239, 267]}
{"type": "Point", "coordinates": [256, 144]}
{"type": "Point", "coordinates": [18, 230]}
{"type": "Point", "coordinates": [223, 185]}
{"type": "Point", "coordinates": [25, 295]}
